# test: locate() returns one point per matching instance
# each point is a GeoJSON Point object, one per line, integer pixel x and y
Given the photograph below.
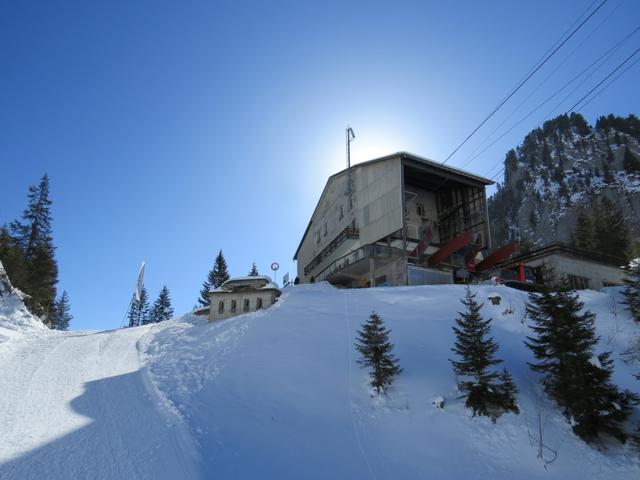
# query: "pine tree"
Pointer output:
{"type": "Point", "coordinates": [161, 310]}
{"type": "Point", "coordinates": [631, 291]}
{"type": "Point", "coordinates": [482, 388]}
{"type": "Point", "coordinates": [12, 258]}
{"type": "Point", "coordinates": [216, 277]}
{"type": "Point", "coordinates": [631, 163]}
{"type": "Point", "coordinates": [254, 270]}
{"type": "Point", "coordinates": [582, 236]}
{"type": "Point", "coordinates": [610, 233]}
{"type": "Point", "coordinates": [32, 236]}
{"type": "Point", "coordinates": [577, 379]}
{"type": "Point", "coordinates": [139, 310]}
{"type": "Point", "coordinates": [61, 316]}
{"type": "Point", "coordinates": [375, 348]}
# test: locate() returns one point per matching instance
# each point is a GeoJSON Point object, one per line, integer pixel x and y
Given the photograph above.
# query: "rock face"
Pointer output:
{"type": "Point", "coordinates": [560, 171]}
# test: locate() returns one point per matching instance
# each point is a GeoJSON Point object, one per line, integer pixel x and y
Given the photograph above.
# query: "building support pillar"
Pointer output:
{"type": "Point", "coordinates": [372, 268]}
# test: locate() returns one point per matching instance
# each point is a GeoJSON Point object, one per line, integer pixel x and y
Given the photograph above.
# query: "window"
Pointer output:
{"type": "Point", "coordinates": [220, 307]}
{"type": "Point", "coordinates": [324, 231]}
{"type": "Point", "coordinates": [317, 237]}
{"type": "Point", "coordinates": [258, 303]}
{"type": "Point", "coordinates": [233, 305]}
{"type": "Point", "coordinates": [578, 283]}
{"type": "Point", "coordinates": [341, 212]}
{"type": "Point", "coordinates": [246, 305]}
{"type": "Point", "coordinates": [420, 209]}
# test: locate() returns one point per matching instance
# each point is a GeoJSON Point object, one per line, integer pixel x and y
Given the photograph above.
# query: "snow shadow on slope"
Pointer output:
{"type": "Point", "coordinates": [122, 441]}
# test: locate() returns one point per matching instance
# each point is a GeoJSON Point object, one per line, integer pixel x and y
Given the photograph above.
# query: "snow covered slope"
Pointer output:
{"type": "Point", "coordinates": [14, 316]}
{"type": "Point", "coordinates": [278, 394]}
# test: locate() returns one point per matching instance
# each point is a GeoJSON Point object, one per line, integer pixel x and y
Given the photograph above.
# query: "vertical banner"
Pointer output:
{"type": "Point", "coordinates": [140, 284]}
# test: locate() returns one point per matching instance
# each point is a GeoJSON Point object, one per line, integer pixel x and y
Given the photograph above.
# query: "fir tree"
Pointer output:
{"type": "Point", "coordinates": [577, 379]}
{"type": "Point", "coordinates": [610, 233]}
{"type": "Point", "coordinates": [12, 258]}
{"type": "Point", "coordinates": [582, 236]}
{"type": "Point", "coordinates": [631, 291]}
{"type": "Point", "coordinates": [630, 162]}
{"type": "Point", "coordinates": [61, 316]}
{"type": "Point", "coordinates": [254, 270]}
{"type": "Point", "coordinates": [161, 310]}
{"type": "Point", "coordinates": [139, 310]}
{"type": "Point", "coordinates": [375, 348]}
{"type": "Point", "coordinates": [32, 237]}
{"type": "Point", "coordinates": [485, 393]}
{"type": "Point", "coordinates": [216, 277]}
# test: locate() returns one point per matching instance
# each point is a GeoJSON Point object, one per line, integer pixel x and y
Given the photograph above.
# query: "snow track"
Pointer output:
{"type": "Point", "coordinates": [79, 406]}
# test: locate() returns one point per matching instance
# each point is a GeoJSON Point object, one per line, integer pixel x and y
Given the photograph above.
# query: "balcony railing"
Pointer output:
{"type": "Point", "coordinates": [367, 251]}
{"type": "Point", "coordinates": [345, 234]}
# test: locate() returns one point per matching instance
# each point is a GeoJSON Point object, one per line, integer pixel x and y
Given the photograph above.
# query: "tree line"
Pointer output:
{"type": "Point", "coordinates": [28, 255]}
{"type": "Point", "coordinates": [563, 343]}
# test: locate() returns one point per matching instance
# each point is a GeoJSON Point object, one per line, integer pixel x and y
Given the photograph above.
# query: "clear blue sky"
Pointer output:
{"type": "Point", "coordinates": [171, 130]}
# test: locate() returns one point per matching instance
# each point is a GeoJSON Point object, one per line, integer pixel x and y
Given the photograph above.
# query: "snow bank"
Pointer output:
{"type": "Point", "coordinates": [278, 393]}
{"type": "Point", "coordinates": [14, 316]}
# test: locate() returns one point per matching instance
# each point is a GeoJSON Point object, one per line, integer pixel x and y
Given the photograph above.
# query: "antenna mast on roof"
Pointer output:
{"type": "Point", "coordinates": [350, 136]}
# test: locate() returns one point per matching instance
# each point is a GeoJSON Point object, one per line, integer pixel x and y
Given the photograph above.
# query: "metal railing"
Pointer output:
{"type": "Point", "coordinates": [367, 251]}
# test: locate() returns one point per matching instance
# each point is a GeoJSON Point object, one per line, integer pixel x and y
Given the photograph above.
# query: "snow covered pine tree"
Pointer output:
{"type": "Point", "coordinates": [373, 343]}
{"type": "Point", "coordinates": [487, 392]}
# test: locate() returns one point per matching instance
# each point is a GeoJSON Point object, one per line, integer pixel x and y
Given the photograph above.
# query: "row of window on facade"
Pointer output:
{"type": "Point", "coordinates": [246, 305]}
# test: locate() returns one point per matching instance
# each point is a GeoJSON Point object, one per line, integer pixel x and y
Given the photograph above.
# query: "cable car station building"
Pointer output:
{"type": "Point", "coordinates": [397, 220]}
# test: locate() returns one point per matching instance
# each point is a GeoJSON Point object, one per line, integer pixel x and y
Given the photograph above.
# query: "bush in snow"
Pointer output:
{"type": "Point", "coordinates": [373, 343]}
{"type": "Point", "coordinates": [574, 376]}
{"type": "Point", "coordinates": [487, 392]}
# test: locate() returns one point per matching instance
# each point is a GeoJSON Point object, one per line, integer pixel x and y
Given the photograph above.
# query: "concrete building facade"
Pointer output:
{"type": "Point", "coordinates": [242, 295]}
{"type": "Point", "coordinates": [382, 222]}
{"type": "Point", "coordinates": [583, 269]}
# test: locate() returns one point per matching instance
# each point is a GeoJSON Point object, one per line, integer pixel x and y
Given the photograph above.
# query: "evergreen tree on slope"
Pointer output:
{"type": "Point", "coordinates": [161, 310]}
{"type": "Point", "coordinates": [139, 310]}
{"type": "Point", "coordinates": [61, 316]}
{"type": "Point", "coordinates": [375, 348]}
{"type": "Point", "coordinates": [574, 376]}
{"type": "Point", "coordinates": [632, 289]}
{"type": "Point", "coordinates": [32, 235]}
{"type": "Point", "coordinates": [630, 162]}
{"type": "Point", "coordinates": [216, 277]}
{"type": "Point", "coordinates": [487, 392]}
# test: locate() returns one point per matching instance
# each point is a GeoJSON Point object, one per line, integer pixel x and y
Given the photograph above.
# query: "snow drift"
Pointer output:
{"type": "Point", "coordinates": [14, 316]}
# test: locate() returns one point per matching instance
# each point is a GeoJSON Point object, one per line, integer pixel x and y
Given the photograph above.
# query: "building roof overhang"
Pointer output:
{"type": "Point", "coordinates": [445, 171]}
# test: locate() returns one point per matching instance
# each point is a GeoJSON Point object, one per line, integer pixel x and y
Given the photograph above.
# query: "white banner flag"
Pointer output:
{"type": "Point", "coordinates": [140, 284]}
